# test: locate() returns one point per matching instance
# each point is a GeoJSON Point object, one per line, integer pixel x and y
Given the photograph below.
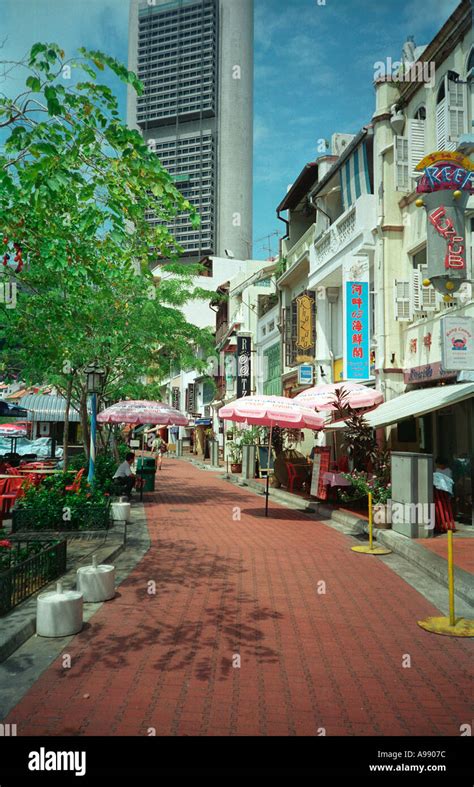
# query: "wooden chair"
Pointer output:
{"type": "Point", "coordinates": [76, 484]}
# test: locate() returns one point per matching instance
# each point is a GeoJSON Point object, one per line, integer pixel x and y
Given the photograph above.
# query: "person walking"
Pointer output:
{"type": "Point", "coordinates": [159, 449]}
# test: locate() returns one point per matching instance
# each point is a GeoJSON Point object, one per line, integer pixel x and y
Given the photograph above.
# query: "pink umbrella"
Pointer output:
{"type": "Point", "coordinates": [322, 397]}
{"type": "Point", "coordinates": [142, 412]}
{"type": "Point", "coordinates": [13, 430]}
{"type": "Point", "coordinates": [271, 411]}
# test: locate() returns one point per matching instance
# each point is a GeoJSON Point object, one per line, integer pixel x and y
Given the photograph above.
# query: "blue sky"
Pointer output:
{"type": "Point", "coordinates": [314, 66]}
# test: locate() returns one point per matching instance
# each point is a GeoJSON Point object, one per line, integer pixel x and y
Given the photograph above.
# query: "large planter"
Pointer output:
{"type": "Point", "coordinates": [45, 561]}
{"type": "Point", "coordinates": [27, 519]}
{"type": "Point", "coordinates": [214, 448]}
{"type": "Point", "coordinates": [236, 468]}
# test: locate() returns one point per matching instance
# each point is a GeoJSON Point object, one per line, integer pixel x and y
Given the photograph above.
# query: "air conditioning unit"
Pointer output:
{"type": "Point", "coordinates": [339, 142]}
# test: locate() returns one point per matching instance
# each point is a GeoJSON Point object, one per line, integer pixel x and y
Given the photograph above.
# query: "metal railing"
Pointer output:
{"type": "Point", "coordinates": [21, 579]}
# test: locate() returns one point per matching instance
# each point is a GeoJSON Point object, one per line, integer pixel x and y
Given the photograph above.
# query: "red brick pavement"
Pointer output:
{"type": "Point", "coordinates": [309, 660]}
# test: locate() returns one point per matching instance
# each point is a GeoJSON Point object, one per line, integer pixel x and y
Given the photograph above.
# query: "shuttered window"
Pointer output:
{"type": "Point", "coordinates": [402, 179]}
{"type": "Point", "coordinates": [451, 113]}
{"type": "Point", "coordinates": [403, 303]}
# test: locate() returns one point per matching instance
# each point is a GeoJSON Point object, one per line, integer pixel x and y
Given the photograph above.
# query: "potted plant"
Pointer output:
{"type": "Point", "coordinates": [234, 449]}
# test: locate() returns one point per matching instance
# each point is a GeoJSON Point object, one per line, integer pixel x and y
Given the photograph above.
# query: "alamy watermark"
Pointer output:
{"type": "Point", "coordinates": [397, 71]}
{"type": "Point", "coordinates": [406, 513]}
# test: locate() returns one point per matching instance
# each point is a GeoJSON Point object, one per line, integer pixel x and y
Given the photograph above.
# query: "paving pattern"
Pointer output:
{"type": "Point", "coordinates": [237, 625]}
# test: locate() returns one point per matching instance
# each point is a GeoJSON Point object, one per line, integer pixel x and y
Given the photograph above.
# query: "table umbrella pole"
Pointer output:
{"type": "Point", "coordinates": [268, 471]}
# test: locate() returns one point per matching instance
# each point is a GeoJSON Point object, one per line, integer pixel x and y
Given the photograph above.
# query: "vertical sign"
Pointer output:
{"type": "Point", "coordinates": [356, 320]}
{"type": "Point", "coordinates": [305, 327]}
{"type": "Point", "coordinates": [244, 349]}
{"type": "Point", "coordinates": [191, 398]}
{"type": "Point", "coordinates": [175, 398]}
{"type": "Point", "coordinates": [321, 462]}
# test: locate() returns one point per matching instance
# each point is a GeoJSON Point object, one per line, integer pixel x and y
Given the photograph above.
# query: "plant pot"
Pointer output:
{"type": "Point", "coordinates": [381, 516]}
{"type": "Point", "coordinates": [236, 468]}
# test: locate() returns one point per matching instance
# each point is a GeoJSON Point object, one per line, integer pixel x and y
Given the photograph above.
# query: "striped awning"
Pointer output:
{"type": "Point", "coordinates": [50, 409]}
{"type": "Point", "coordinates": [355, 177]}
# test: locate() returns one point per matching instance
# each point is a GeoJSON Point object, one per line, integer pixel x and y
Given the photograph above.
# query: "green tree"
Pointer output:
{"type": "Point", "coordinates": [77, 188]}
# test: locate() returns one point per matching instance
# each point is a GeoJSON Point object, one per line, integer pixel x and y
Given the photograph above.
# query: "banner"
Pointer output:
{"type": "Point", "coordinates": [305, 327]}
{"type": "Point", "coordinates": [244, 366]}
{"type": "Point", "coordinates": [356, 298]}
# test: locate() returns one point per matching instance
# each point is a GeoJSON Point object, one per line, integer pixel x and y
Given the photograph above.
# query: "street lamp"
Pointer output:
{"type": "Point", "coordinates": [94, 376]}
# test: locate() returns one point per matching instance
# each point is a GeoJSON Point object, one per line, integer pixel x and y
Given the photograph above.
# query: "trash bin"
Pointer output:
{"type": "Point", "coordinates": [146, 469]}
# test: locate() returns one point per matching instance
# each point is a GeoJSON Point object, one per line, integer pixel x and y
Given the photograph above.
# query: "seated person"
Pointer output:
{"type": "Point", "coordinates": [124, 477]}
{"type": "Point", "coordinates": [442, 466]}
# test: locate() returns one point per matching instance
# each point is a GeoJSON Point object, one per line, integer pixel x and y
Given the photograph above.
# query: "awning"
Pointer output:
{"type": "Point", "coordinates": [413, 403]}
{"type": "Point", "coordinates": [50, 409]}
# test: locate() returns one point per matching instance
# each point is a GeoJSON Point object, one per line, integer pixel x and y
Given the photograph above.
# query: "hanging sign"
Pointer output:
{"type": "Point", "coordinates": [305, 374]}
{"type": "Point", "coordinates": [356, 299]}
{"type": "Point", "coordinates": [444, 189]}
{"type": "Point", "coordinates": [175, 398]}
{"type": "Point", "coordinates": [244, 365]}
{"type": "Point", "coordinates": [305, 327]}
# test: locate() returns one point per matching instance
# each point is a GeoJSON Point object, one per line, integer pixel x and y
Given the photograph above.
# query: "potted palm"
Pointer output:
{"type": "Point", "coordinates": [235, 454]}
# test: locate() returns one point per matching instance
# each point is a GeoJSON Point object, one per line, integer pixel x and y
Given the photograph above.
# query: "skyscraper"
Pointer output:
{"type": "Point", "coordinates": [195, 58]}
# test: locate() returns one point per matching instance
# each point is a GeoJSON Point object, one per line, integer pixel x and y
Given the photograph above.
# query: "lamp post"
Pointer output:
{"type": "Point", "coordinates": [94, 384]}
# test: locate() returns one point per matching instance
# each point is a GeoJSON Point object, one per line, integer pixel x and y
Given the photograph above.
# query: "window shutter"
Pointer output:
{"type": "Point", "coordinates": [442, 125]}
{"type": "Point", "coordinates": [429, 299]}
{"type": "Point", "coordinates": [416, 290]}
{"type": "Point", "coordinates": [456, 113]}
{"type": "Point", "coordinates": [402, 180]}
{"type": "Point", "coordinates": [416, 139]}
{"type": "Point", "coordinates": [402, 301]}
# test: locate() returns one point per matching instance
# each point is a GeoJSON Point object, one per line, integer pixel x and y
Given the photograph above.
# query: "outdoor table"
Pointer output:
{"type": "Point", "coordinates": [335, 479]}
{"type": "Point", "coordinates": [11, 476]}
{"type": "Point", "coordinates": [44, 472]}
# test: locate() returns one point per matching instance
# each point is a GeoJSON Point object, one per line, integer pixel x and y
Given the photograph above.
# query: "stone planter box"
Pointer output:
{"type": "Point", "coordinates": [96, 518]}
{"type": "Point", "coordinates": [249, 455]}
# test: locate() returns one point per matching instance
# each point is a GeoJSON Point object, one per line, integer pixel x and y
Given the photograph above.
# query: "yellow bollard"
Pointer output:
{"type": "Point", "coordinates": [371, 550]}
{"type": "Point", "coordinates": [450, 627]}
{"type": "Point", "coordinates": [452, 619]}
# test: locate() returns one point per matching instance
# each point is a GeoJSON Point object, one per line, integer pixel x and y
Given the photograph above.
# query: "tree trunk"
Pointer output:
{"type": "Point", "coordinates": [66, 423]}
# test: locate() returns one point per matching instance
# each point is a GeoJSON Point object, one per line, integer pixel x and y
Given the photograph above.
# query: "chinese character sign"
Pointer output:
{"type": "Point", "coordinates": [175, 398]}
{"type": "Point", "coordinates": [244, 349]}
{"type": "Point", "coordinates": [357, 324]}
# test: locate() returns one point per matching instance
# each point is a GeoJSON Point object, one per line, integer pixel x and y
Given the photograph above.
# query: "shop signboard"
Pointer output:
{"type": "Point", "coordinates": [191, 406]}
{"type": "Point", "coordinates": [305, 327]}
{"type": "Point", "coordinates": [457, 343]}
{"type": "Point", "coordinates": [305, 374]}
{"type": "Point", "coordinates": [356, 299]}
{"type": "Point", "coordinates": [444, 189]}
{"type": "Point", "coordinates": [321, 462]}
{"type": "Point", "coordinates": [175, 398]}
{"type": "Point", "coordinates": [244, 366]}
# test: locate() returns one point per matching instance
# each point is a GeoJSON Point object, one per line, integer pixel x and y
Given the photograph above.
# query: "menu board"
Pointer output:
{"type": "Point", "coordinates": [321, 461]}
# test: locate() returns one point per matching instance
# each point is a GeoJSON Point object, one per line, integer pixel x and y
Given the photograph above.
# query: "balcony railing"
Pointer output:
{"type": "Point", "coordinates": [358, 218]}
{"type": "Point", "coordinates": [302, 246]}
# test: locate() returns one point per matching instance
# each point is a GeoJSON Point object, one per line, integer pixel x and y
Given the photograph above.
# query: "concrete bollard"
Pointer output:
{"type": "Point", "coordinates": [59, 614]}
{"type": "Point", "coordinates": [96, 583]}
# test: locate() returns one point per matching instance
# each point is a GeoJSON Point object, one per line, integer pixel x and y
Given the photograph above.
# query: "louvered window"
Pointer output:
{"type": "Point", "coordinates": [450, 112]}
{"type": "Point", "coordinates": [409, 151]}
{"type": "Point", "coordinates": [403, 301]}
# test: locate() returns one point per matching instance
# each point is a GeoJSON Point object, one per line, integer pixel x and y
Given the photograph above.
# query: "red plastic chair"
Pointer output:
{"type": "Point", "coordinates": [12, 491]}
{"type": "Point", "coordinates": [76, 485]}
{"type": "Point", "coordinates": [444, 517]}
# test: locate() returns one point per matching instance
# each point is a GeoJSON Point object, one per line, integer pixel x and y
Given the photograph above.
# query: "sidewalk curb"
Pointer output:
{"type": "Point", "coordinates": [20, 624]}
